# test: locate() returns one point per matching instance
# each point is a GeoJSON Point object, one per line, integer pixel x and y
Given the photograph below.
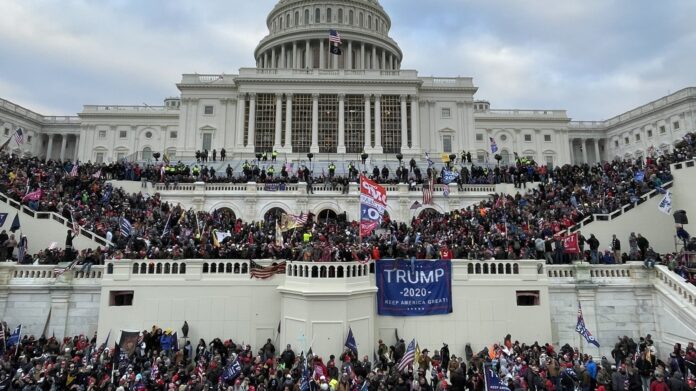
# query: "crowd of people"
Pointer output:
{"type": "Point", "coordinates": [158, 362]}
{"type": "Point", "coordinates": [507, 226]}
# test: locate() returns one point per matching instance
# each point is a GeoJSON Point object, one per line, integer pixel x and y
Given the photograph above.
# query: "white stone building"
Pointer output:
{"type": "Point", "coordinates": [300, 98]}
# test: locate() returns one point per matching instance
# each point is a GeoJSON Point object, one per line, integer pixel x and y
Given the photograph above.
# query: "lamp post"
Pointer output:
{"type": "Point", "coordinates": [310, 156]}
{"type": "Point", "coordinates": [363, 157]}
{"type": "Point", "coordinates": [452, 158]}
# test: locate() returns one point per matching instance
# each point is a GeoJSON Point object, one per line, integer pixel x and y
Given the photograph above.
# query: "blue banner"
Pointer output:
{"type": "Point", "coordinates": [415, 288]}
{"type": "Point", "coordinates": [274, 187]}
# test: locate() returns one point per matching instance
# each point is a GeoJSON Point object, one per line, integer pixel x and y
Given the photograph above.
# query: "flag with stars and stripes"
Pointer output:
{"type": "Point", "coordinates": [334, 37]}
{"type": "Point", "coordinates": [126, 227]}
{"type": "Point", "coordinates": [428, 191]}
{"type": "Point", "coordinates": [409, 357]}
{"type": "Point", "coordinates": [582, 329]}
{"type": "Point", "coordinates": [19, 136]}
{"type": "Point", "coordinates": [73, 172]}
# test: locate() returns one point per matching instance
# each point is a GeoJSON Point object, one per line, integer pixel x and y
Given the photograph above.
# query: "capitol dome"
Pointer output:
{"type": "Point", "coordinates": [299, 36]}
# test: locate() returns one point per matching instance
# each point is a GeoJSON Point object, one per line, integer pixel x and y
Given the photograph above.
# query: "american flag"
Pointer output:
{"type": "Point", "coordinates": [408, 357]}
{"type": "Point", "coordinates": [258, 271]}
{"type": "Point", "coordinates": [446, 190]}
{"type": "Point", "coordinates": [300, 220]}
{"type": "Point", "coordinates": [334, 37]}
{"type": "Point", "coordinates": [428, 191]}
{"type": "Point", "coordinates": [73, 172]}
{"type": "Point", "coordinates": [19, 136]}
{"type": "Point", "coordinates": [494, 146]}
{"type": "Point", "coordinates": [58, 271]}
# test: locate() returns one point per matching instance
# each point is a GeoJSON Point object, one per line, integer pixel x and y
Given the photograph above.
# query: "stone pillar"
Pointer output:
{"type": "Point", "coordinates": [322, 63]}
{"type": "Point", "coordinates": [571, 153]}
{"type": "Point", "coordinates": [295, 63]}
{"type": "Point", "coordinates": [384, 60]}
{"type": "Point", "coordinates": [368, 127]}
{"type": "Point", "coordinates": [49, 148]}
{"type": "Point", "coordinates": [288, 123]}
{"type": "Point", "coordinates": [404, 124]}
{"type": "Point", "coordinates": [341, 148]}
{"type": "Point", "coordinates": [374, 58]}
{"type": "Point", "coordinates": [349, 57]}
{"type": "Point", "coordinates": [596, 151]}
{"type": "Point", "coordinates": [77, 146]}
{"type": "Point", "coordinates": [584, 150]}
{"type": "Point", "coordinates": [308, 56]}
{"type": "Point", "coordinates": [273, 59]}
{"type": "Point", "coordinates": [314, 148]}
{"type": "Point", "coordinates": [378, 124]}
{"type": "Point", "coordinates": [362, 56]}
{"type": "Point", "coordinates": [278, 121]}
{"type": "Point", "coordinates": [241, 107]}
{"type": "Point", "coordinates": [63, 144]}
{"type": "Point", "coordinates": [252, 122]}
{"type": "Point", "coordinates": [415, 124]}
{"type": "Point", "coordinates": [391, 61]}
{"type": "Point", "coordinates": [283, 60]}
{"type": "Point", "coordinates": [265, 60]}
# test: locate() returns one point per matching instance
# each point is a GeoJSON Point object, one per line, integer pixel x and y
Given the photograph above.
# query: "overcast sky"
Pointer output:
{"type": "Point", "coordinates": [594, 58]}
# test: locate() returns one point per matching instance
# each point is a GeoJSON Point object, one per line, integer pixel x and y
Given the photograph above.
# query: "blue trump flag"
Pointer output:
{"type": "Point", "coordinates": [639, 176]}
{"type": "Point", "coordinates": [417, 288]}
{"type": "Point", "coordinates": [350, 342]}
{"type": "Point", "coordinates": [492, 380]}
{"type": "Point", "coordinates": [449, 176]}
{"type": "Point", "coordinates": [232, 371]}
{"type": "Point", "coordinates": [582, 329]}
{"type": "Point", "coordinates": [14, 337]}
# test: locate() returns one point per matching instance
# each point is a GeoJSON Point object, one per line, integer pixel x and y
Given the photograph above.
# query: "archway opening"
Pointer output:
{"type": "Point", "coordinates": [428, 213]}
{"type": "Point", "coordinates": [225, 215]}
{"type": "Point", "coordinates": [327, 215]}
{"type": "Point", "coordinates": [274, 214]}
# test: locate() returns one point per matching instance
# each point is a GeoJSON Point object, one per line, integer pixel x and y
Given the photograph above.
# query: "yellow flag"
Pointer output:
{"type": "Point", "coordinates": [418, 353]}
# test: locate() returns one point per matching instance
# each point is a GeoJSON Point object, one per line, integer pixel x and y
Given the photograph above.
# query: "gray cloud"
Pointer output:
{"type": "Point", "coordinates": [595, 58]}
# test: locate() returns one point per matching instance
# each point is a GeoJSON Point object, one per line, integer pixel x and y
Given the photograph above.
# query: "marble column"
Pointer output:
{"type": "Point", "coordinates": [322, 63]}
{"type": "Point", "coordinates": [274, 64]}
{"type": "Point", "coordinates": [49, 148]}
{"type": "Point", "coordinates": [362, 56]}
{"type": "Point", "coordinates": [341, 124]}
{"type": "Point", "coordinates": [252, 122]}
{"type": "Point", "coordinates": [241, 108]}
{"type": "Point", "coordinates": [308, 56]}
{"type": "Point", "coordinates": [314, 148]}
{"type": "Point", "coordinates": [349, 57]}
{"type": "Point", "coordinates": [415, 124]}
{"type": "Point", "coordinates": [368, 126]}
{"type": "Point", "coordinates": [63, 144]}
{"type": "Point", "coordinates": [283, 60]}
{"type": "Point", "coordinates": [584, 150]}
{"type": "Point", "coordinates": [374, 58]}
{"type": "Point", "coordinates": [295, 63]}
{"type": "Point", "coordinates": [288, 123]}
{"type": "Point", "coordinates": [278, 121]}
{"type": "Point", "coordinates": [571, 153]}
{"type": "Point", "coordinates": [77, 148]}
{"type": "Point", "coordinates": [596, 151]}
{"type": "Point", "coordinates": [404, 124]}
{"type": "Point", "coordinates": [378, 124]}
{"type": "Point", "coordinates": [384, 60]}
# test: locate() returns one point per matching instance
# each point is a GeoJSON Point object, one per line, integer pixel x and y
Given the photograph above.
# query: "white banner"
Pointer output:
{"type": "Point", "coordinates": [665, 206]}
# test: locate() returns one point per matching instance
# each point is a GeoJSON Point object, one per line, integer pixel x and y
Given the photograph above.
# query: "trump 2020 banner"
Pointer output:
{"type": "Point", "coordinates": [373, 202]}
{"type": "Point", "coordinates": [418, 288]}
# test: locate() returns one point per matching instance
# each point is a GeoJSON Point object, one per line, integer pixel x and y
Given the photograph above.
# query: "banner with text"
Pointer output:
{"type": "Point", "coordinates": [415, 288]}
{"type": "Point", "coordinates": [373, 202]}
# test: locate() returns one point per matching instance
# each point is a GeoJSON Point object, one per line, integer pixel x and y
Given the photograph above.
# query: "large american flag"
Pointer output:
{"type": "Point", "coordinates": [258, 271]}
{"type": "Point", "coordinates": [19, 136]}
{"type": "Point", "coordinates": [408, 357]}
{"type": "Point", "coordinates": [428, 191]}
{"type": "Point", "coordinates": [73, 172]}
{"type": "Point", "coordinates": [334, 37]}
{"type": "Point", "coordinates": [300, 220]}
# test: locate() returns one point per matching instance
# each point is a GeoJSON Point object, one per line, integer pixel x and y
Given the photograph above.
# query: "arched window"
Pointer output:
{"type": "Point", "coordinates": [317, 15]}
{"type": "Point", "coordinates": [281, 23]}
{"type": "Point", "coordinates": [505, 155]}
{"type": "Point", "coordinates": [361, 19]}
{"type": "Point", "coordinates": [350, 17]}
{"type": "Point", "coordinates": [297, 18]}
{"type": "Point", "coordinates": [369, 21]}
{"type": "Point", "coordinates": [306, 17]}
{"type": "Point", "coordinates": [287, 20]}
{"type": "Point", "coordinates": [328, 15]}
{"type": "Point", "coordinates": [340, 15]}
{"type": "Point", "coordinates": [147, 153]}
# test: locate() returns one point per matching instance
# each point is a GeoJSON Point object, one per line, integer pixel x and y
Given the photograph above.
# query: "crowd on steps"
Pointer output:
{"type": "Point", "coordinates": [158, 360]}
{"type": "Point", "coordinates": [506, 226]}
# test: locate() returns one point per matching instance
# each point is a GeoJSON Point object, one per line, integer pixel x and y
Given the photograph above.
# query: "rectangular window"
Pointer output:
{"type": "Point", "coordinates": [479, 136]}
{"type": "Point", "coordinates": [626, 140]}
{"type": "Point", "coordinates": [663, 129]}
{"type": "Point", "coordinates": [637, 137]}
{"type": "Point", "coordinates": [616, 143]}
{"type": "Point", "coordinates": [391, 123]}
{"type": "Point", "coordinates": [527, 138]}
{"type": "Point", "coordinates": [447, 143]}
{"type": "Point", "coordinates": [547, 138]}
{"type": "Point", "coordinates": [675, 125]}
{"type": "Point", "coordinates": [446, 112]}
{"type": "Point", "coordinates": [207, 141]}
{"type": "Point", "coordinates": [480, 158]}
{"type": "Point", "coordinates": [29, 139]}
{"type": "Point", "coordinates": [100, 157]}
{"type": "Point", "coordinates": [208, 110]}
{"type": "Point", "coordinates": [122, 134]}
{"type": "Point", "coordinates": [527, 298]}
{"type": "Point", "coordinates": [120, 298]}
{"type": "Point", "coordinates": [549, 162]}
{"type": "Point", "coordinates": [173, 134]}
{"type": "Point", "coordinates": [265, 123]}
{"type": "Point", "coordinates": [650, 134]}
{"type": "Point", "coordinates": [354, 123]}
{"type": "Point", "coordinates": [7, 131]}
{"type": "Point", "coordinates": [102, 134]}
{"type": "Point", "coordinates": [120, 155]}
{"type": "Point", "coordinates": [328, 123]}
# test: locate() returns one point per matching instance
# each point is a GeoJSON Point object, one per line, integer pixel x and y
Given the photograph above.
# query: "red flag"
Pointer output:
{"type": "Point", "coordinates": [571, 244]}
